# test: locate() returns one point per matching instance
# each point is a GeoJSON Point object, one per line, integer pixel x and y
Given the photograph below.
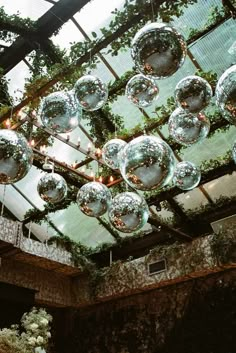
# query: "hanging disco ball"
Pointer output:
{"type": "Point", "coordinates": [147, 163]}
{"type": "Point", "coordinates": [128, 212]}
{"type": "Point", "coordinates": [16, 157]}
{"type": "Point", "coordinates": [193, 94]}
{"type": "Point", "coordinates": [60, 112]}
{"type": "Point", "coordinates": [234, 152]}
{"type": "Point", "coordinates": [158, 50]}
{"type": "Point", "coordinates": [93, 199]}
{"type": "Point", "coordinates": [187, 128]}
{"type": "Point", "coordinates": [52, 188]}
{"type": "Point", "coordinates": [142, 91]}
{"type": "Point", "coordinates": [110, 152]}
{"type": "Point", "coordinates": [186, 176]}
{"type": "Point", "coordinates": [90, 92]}
{"type": "Point", "coordinates": [226, 94]}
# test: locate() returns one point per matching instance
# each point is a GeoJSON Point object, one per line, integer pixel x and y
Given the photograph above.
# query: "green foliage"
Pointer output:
{"type": "Point", "coordinates": [224, 244]}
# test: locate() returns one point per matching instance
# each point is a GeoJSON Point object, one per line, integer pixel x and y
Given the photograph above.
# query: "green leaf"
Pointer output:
{"type": "Point", "coordinates": [94, 34]}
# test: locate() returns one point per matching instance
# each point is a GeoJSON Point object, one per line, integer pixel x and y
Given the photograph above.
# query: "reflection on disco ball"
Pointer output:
{"type": "Point", "coordinates": [142, 91]}
{"type": "Point", "coordinates": [60, 112]}
{"type": "Point", "coordinates": [110, 152]}
{"type": "Point", "coordinates": [193, 94]}
{"type": "Point", "coordinates": [93, 199]}
{"type": "Point", "coordinates": [128, 212]}
{"type": "Point", "coordinates": [234, 152]}
{"type": "Point", "coordinates": [147, 163]}
{"type": "Point", "coordinates": [16, 157]}
{"type": "Point", "coordinates": [186, 176]}
{"type": "Point", "coordinates": [226, 94]}
{"type": "Point", "coordinates": [158, 50]}
{"type": "Point", "coordinates": [52, 188]}
{"type": "Point", "coordinates": [90, 92]}
{"type": "Point", "coordinates": [187, 128]}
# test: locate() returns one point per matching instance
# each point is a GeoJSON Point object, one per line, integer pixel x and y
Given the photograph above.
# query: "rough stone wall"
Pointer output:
{"type": "Point", "coordinates": [198, 316]}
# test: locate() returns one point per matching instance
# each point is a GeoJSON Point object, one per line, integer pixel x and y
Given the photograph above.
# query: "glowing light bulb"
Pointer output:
{"type": "Point", "coordinates": [8, 123]}
{"type": "Point", "coordinates": [100, 179]}
{"type": "Point", "coordinates": [111, 179]}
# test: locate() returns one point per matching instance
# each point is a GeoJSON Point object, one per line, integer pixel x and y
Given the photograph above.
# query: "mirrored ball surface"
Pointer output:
{"type": "Point", "coordinates": [16, 157]}
{"type": "Point", "coordinates": [234, 152]}
{"type": "Point", "coordinates": [193, 94]}
{"type": "Point", "coordinates": [60, 112]}
{"type": "Point", "coordinates": [158, 50]}
{"type": "Point", "coordinates": [186, 175]}
{"type": "Point", "coordinates": [93, 199]}
{"type": "Point", "coordinates": [142, 91]}
{"type": "Point", "coordinates": [187, 128]}
{"type": "Point", "coordinates": [91, 92]}
{"type": "Point", "coordinates": [147, 163]}
{"type": "Point", "coordinates": [128, 212]}
{"type": "Point", "coordinates": [52, 187]}
{"type": "Point", "coordinates": [226, 94]}
{"type": "Point", "coordinates": [110, 152]}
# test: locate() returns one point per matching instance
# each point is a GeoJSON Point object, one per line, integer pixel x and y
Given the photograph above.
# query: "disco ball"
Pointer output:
{"type": "Point", "coordinates": [128, 212]}
{"type": "Point", "coordinates": [141, 91]}
{"type": "Point", "coordinates": [193, 94]}
{"type": "Point", "coordinates": [93, 199]}
{"type": "Point", "coordinates": [158, 50]}
{"type": "Point", "coordinates": [187, 128]}
{"type": "Point", "coordinates": [110, 152]}
{"type": "Point", "coordinates": [60, 112]}
{"type": "Point", "coordinates": [16, 157]}
{"type": "Point", "coordinates": [186, 176]}
{"type": "Point", "coordinates": [226, 94]}
{"type": "Point", "coordinates": [234, 152]}
{"type": "Point", "coordinates": [90, 92]}
{"type": "Point", "coordinates": [52, 187]}
{"type": "Point", "coordinates": [147, 163]}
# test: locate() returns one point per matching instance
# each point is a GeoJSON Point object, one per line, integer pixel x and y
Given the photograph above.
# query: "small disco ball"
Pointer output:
{"type": "Point", "coordinates": [186, 176]}
{"type": "Point", "coordinates": [193, 94]}
{"type": "Point", "coordinates": [142, 91]}
{"type": "Point", "coordinates": [90, 92]}
{"type": "Point", "coordinates": [234, 152]}
{"type": "Point", "coordinates": [52, 187]}
{"type": "Point", "coordinates": [93, 199]}
{"type": "Point", "coordinates": [110, 152]}
{"type": "Point", "coordinates": [60, 112]}
{"type": "Point", "coordinates": [128, 212]}
{"type": "Point", "coordinates": [187, 128]}
{"type": "Point", "coordinates": [16, 157]}
{"type": "Point", "coordinates": [226, 94]}
{"type": "Point", "coordinates": [147, 163]}
{"type": "Point", "coordinates": [158, 50]}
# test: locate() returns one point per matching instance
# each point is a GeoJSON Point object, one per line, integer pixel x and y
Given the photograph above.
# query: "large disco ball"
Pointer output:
{"type": "Point", "coordinates": [60, 112]}
{"type": "Point", "coordinates": [158, 50]}
{"type": "Point", "coordinates": [52, 188]}
{"type": "Point", "coordinates": [110, 152]}
{"type": "Point", "coordinates": [226, 94]}
{"type": "Point", "coordinates": [234, 152]}
{"type": "Point", "coordinates": [128, 212]}
{"type": "Point", "coordinates": [16, 157]}
{"type": "Point", "coordinates": [90, 92]}
{"type": "Point", "coordinates": [186, 175]}
{"type": "Point", "coordinates": [93, 199]}
{"type": "Point", "coordinates": [141, 90]}
{"type": "Point", "coordinates": [147, 163]}
{"type": "Point", "coordinates": [187, 128]}
{"type": "Point", "coordinates": [193, 94]}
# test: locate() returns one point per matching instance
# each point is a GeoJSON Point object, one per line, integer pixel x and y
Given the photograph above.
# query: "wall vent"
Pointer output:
{"type": "Point", "coordinates": [157, 267]}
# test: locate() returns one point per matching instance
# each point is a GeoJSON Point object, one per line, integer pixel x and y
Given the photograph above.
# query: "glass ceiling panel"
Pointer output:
{"type": "Point", "coordinates": [67, 35]}
{"type": "Point", "coordinates": [27, 8]}
{"type": "Point", "coordinates": [192, 199]}
{"type": "Point", "coordinates": [224, 186]}
{"type": "Point", "coordinates": [16, 78]}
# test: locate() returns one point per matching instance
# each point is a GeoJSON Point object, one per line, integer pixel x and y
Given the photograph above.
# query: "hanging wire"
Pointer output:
{"type": "Point", "coordinates": [3, 199]}
{"type": "Point", "coordinates": [153, 14]}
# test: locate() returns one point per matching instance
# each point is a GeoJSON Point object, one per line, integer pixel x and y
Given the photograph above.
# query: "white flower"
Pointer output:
{"type": "Point", "coordinates": [40, 340]}
{"type": "Point", "coordinates": [32, 341]}
{"type": "Point", "coordinates": [34, 326]}
{"type": "Point", "coordinates": [49, 335]}
{"type": "Point", "coordinates": [44, 322]}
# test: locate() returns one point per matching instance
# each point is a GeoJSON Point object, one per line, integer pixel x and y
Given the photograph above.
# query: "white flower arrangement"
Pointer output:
{"type": "Point", "coordinates": [36, 325]}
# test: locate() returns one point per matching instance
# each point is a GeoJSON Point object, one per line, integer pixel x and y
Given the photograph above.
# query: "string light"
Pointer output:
{"type": "Point", "coordinates": [111, 179]}
{"type": "Point", "coordinates": [78, 142]}
{"type": "Point", "coordinates": [8, 123]}
{"type": "Point", "coordinates": [89, 147]}
{"type": "Point", "coordinates": [32, 143]}
{"type": "Point", "coordinates": [100, 179]}
{"type": "Point", "coordinates": [74, 165]}
{"type": "Point", "coordinates": [98, 153]}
